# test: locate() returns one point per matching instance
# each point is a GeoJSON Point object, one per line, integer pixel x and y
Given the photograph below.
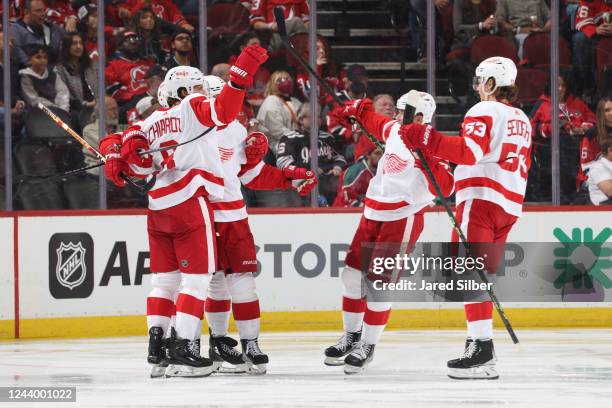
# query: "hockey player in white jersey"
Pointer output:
{"type": "Point", "coordinates": [493, 157]}
{"type": "Point", "coordinates": [393, 214]}
{"type": "Point", "coordinates": [180, 219]}
{"type": "Point", "coordinates": [234, 284]}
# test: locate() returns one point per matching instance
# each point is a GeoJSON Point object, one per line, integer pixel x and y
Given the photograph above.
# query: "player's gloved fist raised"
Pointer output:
{"type": "Point", "coordinates": [242, 72]}
{"type": "Point", "coordinates": [356, 107]}
{"type": "Point", "coordinates": [256, 147]}
{"type": "Point", "coordinates": [134, 143]}
{"type": "Point", "coordinates": [114, 166]}
{"type": "Point", "coordinates": [302, 180]}
{"type": "Point", "coordinates": [418, 136]}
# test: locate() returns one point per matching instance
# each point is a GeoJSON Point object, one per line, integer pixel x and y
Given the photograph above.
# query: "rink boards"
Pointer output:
{"type": "Point", "coordinates": [87, 273]}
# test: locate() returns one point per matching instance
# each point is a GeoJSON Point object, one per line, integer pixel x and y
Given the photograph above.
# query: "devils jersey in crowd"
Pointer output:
{"type": "Point", "coordinates": [126, 78]}
{"type": "Point", "coordinates": [294, 149]}
{"type": "Point", "coordinates": [592, 13]}
{"type": "Point", "coordinates": [263, 10]}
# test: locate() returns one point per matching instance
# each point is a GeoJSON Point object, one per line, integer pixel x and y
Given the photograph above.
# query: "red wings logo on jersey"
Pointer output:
{"type": "Point", "coordinates": [394, 164]}
{"type": "Point", "coordinates": [226, 154]}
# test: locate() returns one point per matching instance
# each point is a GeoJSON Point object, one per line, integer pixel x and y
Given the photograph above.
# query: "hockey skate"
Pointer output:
{"type": "Point", "coordinates": [185, 360]}
{"type": "Point", "coordinates": [256, 361]}
{"type": "Point", "coordinates": [157, 352]}
{"type": "Point", "coordinates": [476, 363]}
{"type": "Point", "coordinates": [334, 355]}
{"type": "Point", "coordinates": [222, 351]}
{"type": "Point", "coordinates": [359, 358]}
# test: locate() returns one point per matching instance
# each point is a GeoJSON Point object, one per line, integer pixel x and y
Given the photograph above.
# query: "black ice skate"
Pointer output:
{"type": "Point", "coordinates": [476, 363]}
{"type": "Point", "coordinates": [222, 351]}
{"type": "Point", "coordinates": [157, 352]}
{"type": "Point", "coordinates": [256, 361]}
{"type": "Point", "coordinates": [359, 358]}
{"type": "Point", "coordinates": [185, 360]}
{"type": "Point", "coordinates": [334, 355]}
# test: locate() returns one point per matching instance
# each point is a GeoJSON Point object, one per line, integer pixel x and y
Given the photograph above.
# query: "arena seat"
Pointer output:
{"type": "Point", "coordinates": [604, 58]}
{"type": "Point", "coordinates": [487, 46]}
{"type": "Point", "coordinates": [35, 159]}
{"type": "Point", "coordinates": [40, 126]}
{"type": "Point", "coordinates": [531, 84]}
{"type": "Point", "coordinates": [81, 192]}
{"type": "Point", "coordinates": [537, 51]}
{"type": "Point", "coordinates": [38, 194]}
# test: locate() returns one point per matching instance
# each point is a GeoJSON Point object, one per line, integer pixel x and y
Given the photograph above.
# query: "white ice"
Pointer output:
{"type": "Point", "coordinates": [549, 369]}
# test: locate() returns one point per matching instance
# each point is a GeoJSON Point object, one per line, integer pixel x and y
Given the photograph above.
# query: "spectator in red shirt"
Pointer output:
{"type": "Point", "coordinates": [163, 9]}
{"type": "Point", "coordinates": [125, 74]}
{"type": "Point", "coordinates": [60, 12]}
{"type": "Point", "coordinates": [296, 18]}
{"type": "Point", "coordinates": [88, 27]}
{"type": "Point", "coordinates": [326, 69]}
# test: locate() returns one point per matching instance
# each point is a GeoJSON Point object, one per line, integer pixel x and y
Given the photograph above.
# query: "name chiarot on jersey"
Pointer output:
{"type": "Point", "coordinates": [162, 127]}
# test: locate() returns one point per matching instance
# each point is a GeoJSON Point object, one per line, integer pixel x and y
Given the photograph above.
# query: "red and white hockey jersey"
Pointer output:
{"type": "Point", "coordinates": [263, 10]}
{"type": "Point", "coordinates": [399, 188]}
{"type": "Point", "coordinates": [494, 162]}
{"type": "Point", "coordinates": [196, 167]}
{"type": "Point", "coordinates": [236, 171]}
{"type": "Point", "coordinates": [590, 14]}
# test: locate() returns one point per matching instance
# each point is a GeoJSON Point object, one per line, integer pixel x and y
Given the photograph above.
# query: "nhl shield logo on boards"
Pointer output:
{"type": "Point", "coordinates": [71, 265]}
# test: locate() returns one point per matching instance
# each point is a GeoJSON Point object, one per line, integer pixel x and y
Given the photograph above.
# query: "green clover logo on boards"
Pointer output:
{"type": "Point", "coordinates": [583, 258]}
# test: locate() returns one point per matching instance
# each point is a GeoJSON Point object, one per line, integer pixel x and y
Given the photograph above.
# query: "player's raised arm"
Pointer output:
{"type": "Point", "coordinates": [375, 123]}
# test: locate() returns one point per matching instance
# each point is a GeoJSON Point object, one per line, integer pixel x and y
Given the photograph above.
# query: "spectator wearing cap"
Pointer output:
{"type": "Point", "coordinates": [88, 28]}
{"type": "Point", "coordinates": [182, 44]}
{"type": "Point", "coordinates": [520, 18]}
{"type": "Point", "coordinates": [39, 84]}
{"type": "Point", "coordinates": [33, 29]}
{"type": "Point", "coordinates": [81, 78]}
{"type": "Point", "coordinates": [165, 10]}
{"type": "Point", "coordinates": [296, 18]}
{"type": "Point", "coordinates": [125, 74]}
{"type": "Point", "coordinates": [60, 12]}
{"type": "Point", "coordinates": [278, 112]}
{"type": "Point", "coordinates": [600, 176]}
{"type": "Point", "coordinates": [144, 108]}
{"type": "Point", "coordinates": [354, 181]}
{"type": "Point", "coordinates": [155, 45]}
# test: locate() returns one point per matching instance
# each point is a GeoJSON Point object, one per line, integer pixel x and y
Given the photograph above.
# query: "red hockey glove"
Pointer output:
{"type": "Point", "coordinates": [417, 136]}
{"type": "Point", "coordinates": [357, 107]}
{"type": "Point", "coordinates": [247, 64]}
{"type": "Point", "coordinates": [302, 180]}
{"type": "Point", "coordinates": [110, 147]}
{"type": "Point", "coordinates": [135, 141]}
{"type": "Point", "coordinates": [256, 147]}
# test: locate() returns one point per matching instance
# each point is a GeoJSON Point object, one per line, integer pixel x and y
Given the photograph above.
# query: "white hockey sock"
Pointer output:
{"type": "Point", "coordinates": [217, 315]}
{"type": "Point", "coordinates": [374, 321]}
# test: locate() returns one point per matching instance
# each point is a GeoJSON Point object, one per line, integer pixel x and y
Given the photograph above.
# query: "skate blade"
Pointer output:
{"type": "Point", "coordinates": [350, 370]}
{"type": "Point", "coordinates": [253, 369]}
{"type": "Point", "coordinates": [158, 370]}
{"type": "Point", "coordinates": [484, 372]}
{"type": "Point", "coordinates": [179, 370]}
{"type": "Point", "coordinates": [222, 367]}
{"type": "Point", "coordinates": [333, 361]}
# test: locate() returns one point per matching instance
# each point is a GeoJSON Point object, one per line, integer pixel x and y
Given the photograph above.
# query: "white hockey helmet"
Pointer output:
{"type": "Point", "coordinates": [502, 69]}
{"type": "Point", "coordinates": [213, 85]}
{"type": "Point", "coordinates": [420, 103]}
{"type": "Point", "coordinates": [162, 95]}
{"type": "Point", "coordinates": [183, 77]}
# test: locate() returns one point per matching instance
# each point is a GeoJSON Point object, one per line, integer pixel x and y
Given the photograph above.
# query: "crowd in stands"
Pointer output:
{"type": "Point", "coordinates": [54, 54]}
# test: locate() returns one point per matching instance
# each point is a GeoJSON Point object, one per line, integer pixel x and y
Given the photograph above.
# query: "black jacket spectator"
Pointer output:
{"type": "Point", "coordinates": [182, 44]}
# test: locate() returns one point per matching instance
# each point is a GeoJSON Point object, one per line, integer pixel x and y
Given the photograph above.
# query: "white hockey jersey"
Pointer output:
{"type": "Point", "coordinates": [399, 189]}
{"type": "Point", "coordinates": [499, 136]}
{"type": "Point", "coordinates": [192, 168]}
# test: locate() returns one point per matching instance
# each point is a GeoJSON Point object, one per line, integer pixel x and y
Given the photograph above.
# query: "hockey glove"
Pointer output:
{"type": "Point", "coordinates": [256, 147]}
{"type": "Point", "coordinates": [417, 136]}
{"type": "Point", "coordinates": [242, 72]}
{"type": "Point", "coordinates": [114, 166]}
{"type": "Point", "coordinates": [135, 142]}
{"type": "Point", "coordinates": [356, 107]}
{"type": "Point", "coordinates": [302, 180]}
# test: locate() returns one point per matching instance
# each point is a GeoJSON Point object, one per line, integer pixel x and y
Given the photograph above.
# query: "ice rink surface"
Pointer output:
{"type": "Point", "coordinates": [571, 368]}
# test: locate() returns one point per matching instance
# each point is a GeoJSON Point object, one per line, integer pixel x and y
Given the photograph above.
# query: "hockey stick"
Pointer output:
{"type": "Point", "coordinates": [58, 121]}
{"type": "Point", "coordinates": [280, 21]}
{"type": "Point", "coordinates": [282, 31]}
{"type": "Point", "coordinates": [455, 223]}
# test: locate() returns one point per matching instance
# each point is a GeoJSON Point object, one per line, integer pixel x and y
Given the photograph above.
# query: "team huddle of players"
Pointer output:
{"type": "Point", "coordinates": [202, 250]}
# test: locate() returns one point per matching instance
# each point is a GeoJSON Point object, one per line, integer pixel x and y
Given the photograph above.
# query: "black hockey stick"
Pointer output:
{"type": "Point", "coordinates": [282, 31]}
{"type": "Point", "coordinates": [280, 21]}
{"type": "Point", "coordinates": [455, 223]}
